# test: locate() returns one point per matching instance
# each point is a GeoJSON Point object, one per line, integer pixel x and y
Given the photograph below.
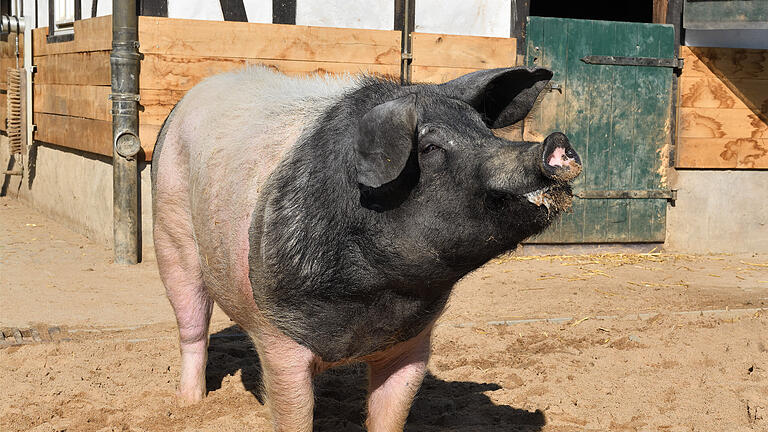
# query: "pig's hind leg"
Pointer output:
{"type": "Point", "coordinates": [180, 271]}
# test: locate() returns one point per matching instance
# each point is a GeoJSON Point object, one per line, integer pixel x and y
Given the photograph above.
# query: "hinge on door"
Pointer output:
{"type": "Point", "coordinates": [674, 63]}
{"type": "Point", "coordinates": [670, 195]}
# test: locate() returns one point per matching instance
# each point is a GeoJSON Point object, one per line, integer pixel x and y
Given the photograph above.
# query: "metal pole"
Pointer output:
{"type": "Point", "coordinates": [125, 123]}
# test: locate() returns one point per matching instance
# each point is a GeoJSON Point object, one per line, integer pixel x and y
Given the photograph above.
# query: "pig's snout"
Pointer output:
{"type": "Point", "coordinates": [559, 160]}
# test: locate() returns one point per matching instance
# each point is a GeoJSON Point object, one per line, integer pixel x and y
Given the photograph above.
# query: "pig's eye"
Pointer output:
{"type": "Point", "coordinates": [429, 148]}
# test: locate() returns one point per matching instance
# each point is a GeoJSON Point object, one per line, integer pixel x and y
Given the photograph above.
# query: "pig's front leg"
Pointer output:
{"type": "Point", "coordinates": [395, 377]}
{"type": "Point", "coordinates": [287, 369]}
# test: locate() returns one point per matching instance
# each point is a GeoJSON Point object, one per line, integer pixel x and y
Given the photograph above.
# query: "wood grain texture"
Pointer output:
{"type": "Point", "coordinates": [454, 51]}
{"type": "Point", "coordinates": [183, 72]}
{"type": "Point", "coordinates": [179, 37]}
{"type": "Point", "coordinates": [89, 135]}
{"type": "Point", "coordinates": [73, 100]}
{"type": "Point", "coordinates": [86, 68]}
{"type": "Point", "coordinates": [723, 153]}
{"type": "Point", "coordinates": [92, 34]}
{"type": "Point", "coordinates": [700, 92]}
{"type": "Point", "coordinates": [729, 63]}
{"type": "Point", "coordinates": [721, 123]}
{"type": "Point", "coordinates": [437, 74]}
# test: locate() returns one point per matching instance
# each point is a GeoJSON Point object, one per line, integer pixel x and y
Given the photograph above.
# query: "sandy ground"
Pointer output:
{"type": "Point", "coordinates": [618, 342]}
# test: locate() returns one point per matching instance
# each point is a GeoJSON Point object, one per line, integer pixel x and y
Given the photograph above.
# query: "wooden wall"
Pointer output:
{"type": "Point", "coordinates": [72, 84]}
{"type": "Point", "coordinates": [723, 115]}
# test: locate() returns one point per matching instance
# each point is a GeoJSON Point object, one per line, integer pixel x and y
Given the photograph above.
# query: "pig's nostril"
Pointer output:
{"type": "Point", "coordinates": [560, 161]}
{"type": "Point", "coordinates": [558, 157]}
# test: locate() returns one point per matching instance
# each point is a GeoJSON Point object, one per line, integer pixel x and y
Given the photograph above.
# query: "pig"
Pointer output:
{"type": "Point", "coordinates": [330, 217]}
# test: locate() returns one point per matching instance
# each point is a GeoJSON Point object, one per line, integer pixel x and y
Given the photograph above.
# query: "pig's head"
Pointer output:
{"type": "Point", "coordinates": [429, 164]}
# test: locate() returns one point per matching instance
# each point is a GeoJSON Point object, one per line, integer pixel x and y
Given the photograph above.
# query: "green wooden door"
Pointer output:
{"type": "Point", "coordinates": [618, 120]}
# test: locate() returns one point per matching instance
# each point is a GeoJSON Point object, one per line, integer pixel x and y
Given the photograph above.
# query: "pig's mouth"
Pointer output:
{"type": "Point", "coordinates": [556, 198]}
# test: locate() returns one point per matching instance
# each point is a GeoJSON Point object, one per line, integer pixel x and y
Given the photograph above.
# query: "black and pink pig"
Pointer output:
{"type": "Point", "coordinates": [330, 218]}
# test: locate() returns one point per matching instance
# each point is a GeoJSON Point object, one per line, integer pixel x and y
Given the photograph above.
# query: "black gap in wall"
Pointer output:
{"type": "Point", "coordinates": [628, 11]}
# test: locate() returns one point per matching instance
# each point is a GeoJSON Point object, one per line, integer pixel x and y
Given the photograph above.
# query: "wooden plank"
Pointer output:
{"type": "Point", "coordinates": [724, 153]}
{"type": "Point", "coordinates": [728, 63]}
{"type": "Point", "coordinates": [183, 72]}
{"type": "Point", "coordinates": [700, 92]}
{"type": "Point", "coordinates": [437, 74]}
{"type": "Point", "coordinates": [73, 100]}
{"type": "Point", "coordinates": [89, 135]}
{"type": "Point", "coordinates": [93, 102]}
{"type": "Point", "coordinates": [92, 34]}
{"type": "Point", "coordinates": [721, 123]}
{"type": "Point", "coordinates": [463, 51]}
{"type": "Point", "coordinates": [86, 68]}
{"type": "Point", "coordinates": [181, 37]}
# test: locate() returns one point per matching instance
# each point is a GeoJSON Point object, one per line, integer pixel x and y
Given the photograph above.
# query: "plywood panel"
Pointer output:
{"type": "Point", "coordinates": [732, 63]}
{"type": "Point", "coordinates": [437, 74]}
{"type": "Point", "coordinates": [721, 123]}
{"type": "Point", "coordinates": [725, 153]}
{"type": "Point", "coordinates": [87, 68]}
{"type": "Point", "coordinates": [92, 34]}
{"type": "Point", "coordinates": [463, 51]}
{"type": "Point", "coordinates": [89, 135]}
{"type": "Point", "coordinates": [169, 36]}
{"type": "Point", "coordinates": [700, 92]}
{"type": "Point", "coordinates": [183, 72]}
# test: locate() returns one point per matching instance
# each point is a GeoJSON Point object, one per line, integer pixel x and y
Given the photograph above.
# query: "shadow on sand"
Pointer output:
{"type": "Point", "coordinates": [340, 395]}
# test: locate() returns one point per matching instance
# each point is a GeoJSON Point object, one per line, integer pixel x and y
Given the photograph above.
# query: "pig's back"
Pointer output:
{"type": "Point", "coordinates": [221, 143]}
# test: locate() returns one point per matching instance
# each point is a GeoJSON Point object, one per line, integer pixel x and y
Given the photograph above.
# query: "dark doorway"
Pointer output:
{"type": "Point", "coordinates": [629, 11]}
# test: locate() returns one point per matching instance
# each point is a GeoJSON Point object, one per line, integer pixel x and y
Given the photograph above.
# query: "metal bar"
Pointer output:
{"type": "Point", "coordinates": [406, 47]}
{"type": "Point", "coordinates": [675, 63]}
{"type": "Point", "coordinates": [124, 61]}
{"type": "Point", "coordinates": [627, 194]}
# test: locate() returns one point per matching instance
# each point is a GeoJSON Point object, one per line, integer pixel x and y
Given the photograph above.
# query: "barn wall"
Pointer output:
{"type": "Point", "coordinates": [75, 189]}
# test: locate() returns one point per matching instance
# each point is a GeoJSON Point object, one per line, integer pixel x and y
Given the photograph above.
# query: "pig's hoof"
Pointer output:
{"type": "Point", "coordinates": [186, 398]}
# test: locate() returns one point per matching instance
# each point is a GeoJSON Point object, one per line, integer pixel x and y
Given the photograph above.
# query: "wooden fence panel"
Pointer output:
{"type": "Point", "coordinates": [723, 115]}
{"type": "Point", "coordinates": [441, 57]}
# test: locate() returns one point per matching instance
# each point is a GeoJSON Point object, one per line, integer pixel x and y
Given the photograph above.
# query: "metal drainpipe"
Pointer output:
{"type": "Point", "coordinates": [125, 124]}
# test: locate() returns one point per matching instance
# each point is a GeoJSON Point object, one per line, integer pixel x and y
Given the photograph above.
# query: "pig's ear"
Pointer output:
{"type": "Point", "coordinates": [385, 139]}
{"type": "Point", "coordinates": [503, 96]}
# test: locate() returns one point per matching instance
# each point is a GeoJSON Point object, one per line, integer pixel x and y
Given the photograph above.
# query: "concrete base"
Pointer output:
{"type": "Point", "coordinates": [74, 188]}
{"type": "Point", "coordinates": [719, 212]}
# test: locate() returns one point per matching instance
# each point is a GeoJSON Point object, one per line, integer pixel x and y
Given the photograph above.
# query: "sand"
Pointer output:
{"type": "Point", "coordinates": [618, 342]}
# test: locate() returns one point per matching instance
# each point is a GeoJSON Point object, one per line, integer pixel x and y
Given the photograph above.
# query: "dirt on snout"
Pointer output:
{"type": "Point", "coordinates": [608, 342]}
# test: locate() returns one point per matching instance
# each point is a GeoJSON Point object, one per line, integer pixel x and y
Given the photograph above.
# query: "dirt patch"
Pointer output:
{"type": "Point", "coordinates": [620, 342]}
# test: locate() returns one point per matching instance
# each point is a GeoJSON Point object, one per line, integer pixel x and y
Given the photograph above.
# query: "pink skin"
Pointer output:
{"type": "Point", "coordinates": [558, 158]}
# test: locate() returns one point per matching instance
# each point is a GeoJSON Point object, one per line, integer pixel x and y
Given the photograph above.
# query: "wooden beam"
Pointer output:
{"type": "Point", "coordinates": [700, 92]}
{"type": "Point", "coordinates": [183, 72]}
{"type": "Point", "coordinates": [73, 100]}
{"type": "Point", "coordinates": [233, 10]}
{"type": "Point", "coordinates": [267, 41]}
{"type": "Point", "coordinates": [92, 34]}
{"type": "Point", "coordinates": [153, 8]}
{"type": "Point", "coordinates": [438, 74]}
{"type": "Point", "coordinates": [476, 52]}
{"type": "Point", "coordinates": [284, 11]}
{"type": "Point", "coordinates": [723, 153]}
{"type": "Point", "coordinates": [660, 11]}
{"type": "Point", "coordinates": [730, 63]}
{"type": "Point", "coordinates": [521, 9]}
{"type": "Point", "coordinates": [82, 68]}
{"type": "Point", "coordinates": [721, 123]}
{"type": "Point", "coordinates": [89, 135]}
